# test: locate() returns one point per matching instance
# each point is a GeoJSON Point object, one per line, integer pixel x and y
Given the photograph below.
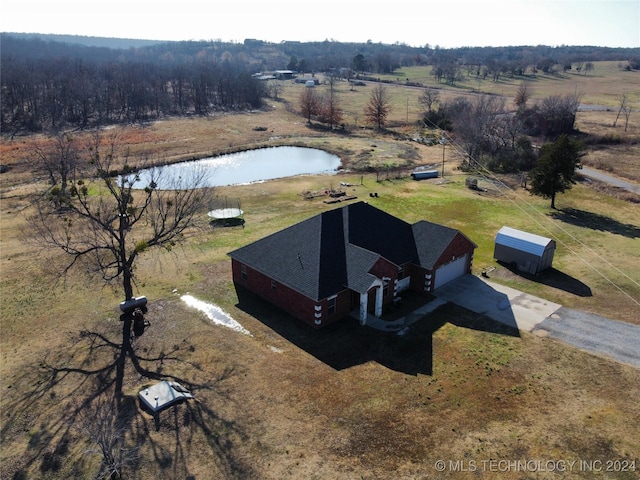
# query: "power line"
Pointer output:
{"type": "Point", "coordinates": [497, 181]}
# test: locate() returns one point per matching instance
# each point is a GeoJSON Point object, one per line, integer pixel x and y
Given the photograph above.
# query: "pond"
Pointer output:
{"type": "Point", "coordinates": [250, 166]}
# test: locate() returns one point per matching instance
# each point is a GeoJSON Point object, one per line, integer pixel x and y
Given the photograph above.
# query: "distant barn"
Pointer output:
{"type": "Point", "coordinates": [527, 252]}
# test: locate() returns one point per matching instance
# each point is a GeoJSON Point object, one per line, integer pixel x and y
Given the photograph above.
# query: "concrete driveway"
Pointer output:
{"type": "Point", "coordinates": [586, 331]}
{"type": "Point", "coordinates": [503, 304]}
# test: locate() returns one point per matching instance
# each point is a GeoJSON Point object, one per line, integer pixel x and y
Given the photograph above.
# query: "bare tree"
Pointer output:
{"type": "Point", "coordinates": [558, 113]}
{"type": "Point", "coordinates": [625, 108]}
{"type": "Point", "coordinates": [477, 123]}
{"type": "Point", "coordinates": [59, 158]}
{"type": "Point", "coordinates": [309, 103]}
{"type": "Point", "coordinates": [275, 89]}
{"type": "Point", "coordinates": [588, 67]}
{"type": "Point", "coordinates": [330, 111]}
{"type": "Point", "coordinates": [114, 215]}
{"type": "Point", "coordinates": [428, 98]}
{"type": "Point", "coordinates": [378, 107]}
{"type": "Point", "coordinates": [522, 96]}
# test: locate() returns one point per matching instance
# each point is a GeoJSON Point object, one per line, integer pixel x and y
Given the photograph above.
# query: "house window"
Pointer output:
{"type": "Point", "coordinates": [243, 272]}
{"type": "Point", "coordinates": [273, 284]}
{"type": "Point", "coordinates": [331, 305]}
{"type": "Point", "coordinates": [385, 289]}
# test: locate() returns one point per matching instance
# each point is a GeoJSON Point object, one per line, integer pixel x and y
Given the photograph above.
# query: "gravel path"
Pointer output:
{"type": "Point", "coordinates": [591, 332]}
{"type": "Point", "coordinates": [615, 181]}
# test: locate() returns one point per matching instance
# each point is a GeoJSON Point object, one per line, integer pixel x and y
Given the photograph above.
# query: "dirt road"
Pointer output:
{"type": "Point", "coordinates": [615, 181]}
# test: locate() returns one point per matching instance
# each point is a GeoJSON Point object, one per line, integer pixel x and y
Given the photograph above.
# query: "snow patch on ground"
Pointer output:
{"type": "Point", "coordinates": [215, 314]}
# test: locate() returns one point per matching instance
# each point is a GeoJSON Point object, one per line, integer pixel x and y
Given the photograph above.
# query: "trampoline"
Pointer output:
{"type": "Point", "coordinates": [225, 213]}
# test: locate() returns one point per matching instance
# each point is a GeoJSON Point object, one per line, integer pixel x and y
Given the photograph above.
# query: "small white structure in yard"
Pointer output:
{"type": "Point", "coordinates": [225, 213]}
{"type": "Point", "coordinates": [163, 394]}
{"type": "Point", "coordinates": [527, 252]}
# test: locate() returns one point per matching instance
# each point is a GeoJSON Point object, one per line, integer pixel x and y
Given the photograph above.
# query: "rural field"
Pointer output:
{"type": "Point", "coordinates": [458, 396]}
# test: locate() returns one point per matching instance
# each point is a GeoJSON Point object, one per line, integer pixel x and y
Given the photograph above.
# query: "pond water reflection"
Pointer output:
{"type": "Point", "coordinates": [250, 166]}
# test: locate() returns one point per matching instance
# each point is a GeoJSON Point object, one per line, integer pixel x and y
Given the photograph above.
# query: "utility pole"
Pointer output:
{"type": "Point", "coordinates": [443, 141]}
{"type": "Point", "coordinates": [407, 110]}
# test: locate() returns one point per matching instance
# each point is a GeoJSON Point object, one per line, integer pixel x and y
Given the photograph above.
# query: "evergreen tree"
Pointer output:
{"type": "Point", "coordinates": [555, 170]}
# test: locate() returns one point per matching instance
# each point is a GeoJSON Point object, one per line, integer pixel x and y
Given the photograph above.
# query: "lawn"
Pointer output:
{"type": "Point", "coordinates": [289, 402]}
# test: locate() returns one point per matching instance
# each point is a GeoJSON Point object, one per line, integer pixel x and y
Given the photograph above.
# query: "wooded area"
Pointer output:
{"type": "Point", "coordinates": [72, 83]}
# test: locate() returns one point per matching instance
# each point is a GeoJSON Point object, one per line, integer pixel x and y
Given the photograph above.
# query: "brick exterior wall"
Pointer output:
{"type": "Point", "coordinates": [423, 280]}
{"type": "Point", "coordinates": [315, 314]}
{"type": "Point", "coordinates": [383, 269]}
{"type": "Point", "coordinates": [458, 247]}
{"type": "Point", "coordinates": [418, 280]}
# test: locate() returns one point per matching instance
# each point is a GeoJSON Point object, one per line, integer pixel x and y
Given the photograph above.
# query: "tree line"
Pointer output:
{"type": "Point", "coordinates": [75, 83]}
{"type": "Point", "coordinates": [64, 92]}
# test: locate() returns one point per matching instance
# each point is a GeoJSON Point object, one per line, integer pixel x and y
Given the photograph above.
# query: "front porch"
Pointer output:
{"type": "Point", "coordinates": [394, 318]}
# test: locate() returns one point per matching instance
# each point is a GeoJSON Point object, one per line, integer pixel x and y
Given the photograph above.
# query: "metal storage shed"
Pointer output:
{"type": "Point", "coordinates": [528, 252]}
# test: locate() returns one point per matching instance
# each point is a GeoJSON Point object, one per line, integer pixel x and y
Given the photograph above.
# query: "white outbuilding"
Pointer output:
{"type": "Point", "coordinates": [162, 395]}
{"type": "Point", "coordinates": [527, 252]}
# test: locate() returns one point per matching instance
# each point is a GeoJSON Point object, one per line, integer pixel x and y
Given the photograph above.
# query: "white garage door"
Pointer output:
{"type": "Point", "coordinates": [450, 271]}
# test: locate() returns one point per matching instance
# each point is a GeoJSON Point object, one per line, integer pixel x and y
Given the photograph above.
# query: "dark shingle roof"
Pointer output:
{"type": "Point", "coordinates": [431, 241]}
{"type": "Point", "coordinates": [329, 252]}
{"type": "Point", "coordinates": [377, 231]}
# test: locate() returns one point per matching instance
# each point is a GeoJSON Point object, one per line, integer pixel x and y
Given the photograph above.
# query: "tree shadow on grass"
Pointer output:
{"type": "Point", "coordinates": [595, 221]}
{"type": "Point", "coordinates": [69, 389]}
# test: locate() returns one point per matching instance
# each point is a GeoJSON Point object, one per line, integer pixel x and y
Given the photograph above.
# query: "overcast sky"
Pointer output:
{"type": "Point", "coordinates": [447, 23]}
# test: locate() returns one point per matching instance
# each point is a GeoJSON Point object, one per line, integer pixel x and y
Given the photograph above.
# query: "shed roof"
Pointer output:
{"type": "Point", "coordinates": [523, 241]}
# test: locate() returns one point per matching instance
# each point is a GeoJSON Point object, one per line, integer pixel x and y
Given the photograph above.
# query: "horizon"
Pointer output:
{"type": "Point", "coordinates": [457, 24]}
{"type": "Point", "coordinates": [268, 42]}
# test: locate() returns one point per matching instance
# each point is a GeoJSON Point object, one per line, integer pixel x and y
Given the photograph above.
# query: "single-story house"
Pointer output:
{"type": "Point", "coordinates": [350, 261]}
{"type": "Point", "coordinates": [528, 252]}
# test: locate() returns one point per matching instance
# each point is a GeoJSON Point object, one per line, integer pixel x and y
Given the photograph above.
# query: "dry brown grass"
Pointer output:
{"type": "Point", "coordinates": [293, 403]}
{"type": "Point", "coordinates": [288, 402]}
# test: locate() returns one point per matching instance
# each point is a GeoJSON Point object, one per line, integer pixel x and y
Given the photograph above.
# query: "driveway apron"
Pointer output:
{"type": "Point", "coordinates": [502, 304]}
{"type": "Point", "coordinates": [587, 331]}
{"type": "Point", "coordinates": [593, 333]}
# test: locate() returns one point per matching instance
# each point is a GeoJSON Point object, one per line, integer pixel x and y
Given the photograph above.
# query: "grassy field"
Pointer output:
{"type": "Point", "coordinates": [602, 86]}
{"type": "Point", "coordinates": [347, 402]}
